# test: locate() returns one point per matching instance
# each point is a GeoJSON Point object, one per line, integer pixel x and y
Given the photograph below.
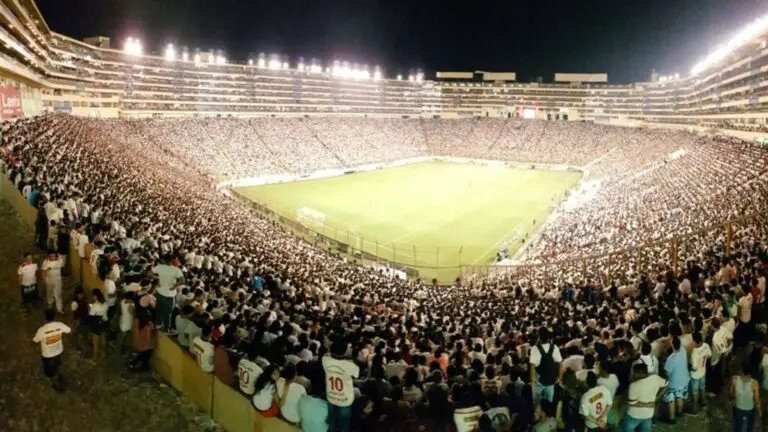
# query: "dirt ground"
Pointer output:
{"type": "Point", "coordinates": [101, 397]}
{"type": "Point", "coordinates": [105, 396]}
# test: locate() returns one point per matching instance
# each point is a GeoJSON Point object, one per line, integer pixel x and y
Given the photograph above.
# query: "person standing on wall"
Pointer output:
{"type": "Point", "coordinates": [51, 347]}
{"type": "Point", "coordinates": [169, 279]}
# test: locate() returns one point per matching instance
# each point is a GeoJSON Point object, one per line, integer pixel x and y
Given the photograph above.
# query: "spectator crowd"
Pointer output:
{"type": "Point", "coordinates": [322, 342]}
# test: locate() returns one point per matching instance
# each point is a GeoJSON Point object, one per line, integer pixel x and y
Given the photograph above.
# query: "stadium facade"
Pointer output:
{"type": "Point", "coordinates": [50, 72]}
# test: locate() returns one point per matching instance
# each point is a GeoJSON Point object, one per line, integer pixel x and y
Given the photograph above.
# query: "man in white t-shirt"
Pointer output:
{"type": "Point", "coordinates": [248, 371]}
{"type": "Point", "coordinates": [699, 356]}
{"type": "Point", "coordinates": [203, 350]}
{"type": "Point", "coordinates": [52, 266]}
{"type": "Point", "coordinates": [642, 396]}
{"type": "Point", "coordinates": [49, 336]}
{"type": "Point", "coordinates": [722, 345]}
{"type": "Point", "coordinates": [289, 393]}
{"type": "Point", "coordinates": [595, 404]}
{"type": "Point", "coordinates": [96, 253]}
{"type": "Point", "coordinates": [82, 242]}
{"type": "Point", "coordinates": [110, 294]}
{"type": "Point", "coordinates": [546, 370]}
{"type": "Point", "coordinates": [27, 279]}
{"type": "Point", "coordinates": [169, 278]}
{"type": "Point", "coordinates": [339, 390]}
{"type": "Point", "coordinates": [466, 419]}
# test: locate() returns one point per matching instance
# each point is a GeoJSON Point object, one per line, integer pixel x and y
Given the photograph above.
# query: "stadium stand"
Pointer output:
{"type": "Point", "coordinates": [111, 176]}
{"type": "Point", "coordinates": [670, 251]}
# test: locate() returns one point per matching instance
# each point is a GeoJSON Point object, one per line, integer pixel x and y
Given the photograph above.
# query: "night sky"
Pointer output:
{"type": "Point", "coordinates": [624, 38]}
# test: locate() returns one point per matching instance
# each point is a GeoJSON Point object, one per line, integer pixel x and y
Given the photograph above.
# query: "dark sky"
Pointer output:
{"type": "Point", "coordinates": [624, 38]}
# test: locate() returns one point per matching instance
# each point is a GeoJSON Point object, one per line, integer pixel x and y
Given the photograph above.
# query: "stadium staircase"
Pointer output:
{"type": "Point", "coordinates": [223, 153]}
{"type": "Point", "coordinates": [163, 149]}
{"type": "Point", "coordinates": [275, 156]}
{"type": "Point", "coordinates": [541, 135]}
{"type": "Point", "coordinates": [314, 134]}
{"type": "Point", "coordinates": [424, 135]}
{"type": "Point", "coordinates": [501, 133]}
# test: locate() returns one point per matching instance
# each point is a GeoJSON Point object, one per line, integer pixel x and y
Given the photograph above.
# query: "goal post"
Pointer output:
{"type": "Point", "coordinates": [310, 218]}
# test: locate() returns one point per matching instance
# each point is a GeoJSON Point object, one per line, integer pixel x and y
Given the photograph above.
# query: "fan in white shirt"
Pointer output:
{"type": "Point", "coordinates": [203, 350]}
{"type": "Point", "coordinates": [248, 371]}
{"type": "Point", "coordinates": [289, 393]}
{"type": "Point", "coordinates": [27, 279]}
{"type": "Point", "coordinates": [52, 266]}
{"type": "Point", "coordinates": [699, 356]}
{"type": "Point", "coordinates": [49, 336]}
{"type": "Point", "coordinates": [595, 404]}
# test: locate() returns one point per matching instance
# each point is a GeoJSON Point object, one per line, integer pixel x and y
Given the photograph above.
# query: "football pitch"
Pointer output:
{"type": "Point", "coordinates": [429, 216]}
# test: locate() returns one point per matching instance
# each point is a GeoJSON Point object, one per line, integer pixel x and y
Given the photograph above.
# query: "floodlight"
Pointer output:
{"type": "Point", "coordinates": [133, 46]}
{"type": "Point", "coordinates": [677, 76]}
{"type": "Point", "coordinates": [170, 52]}
{"type": "Point", "coordinates": [411, 77]}
{"type": "Point", "coordinates": [220, 60]}
{"type": "Point", "coordinates": [300, 66]}
{"type": "Point", "coordinates": [419, 76]}
{"type": "Point", "coordinates": [185, 56]}
{"type": "Point", "coordinates": [261, 63]}
{"type": "Point", "coordinates": [399, 77]}
{"type": "Point", "coordinates": [250, 62]}
{"type": "Point", "coordinates": [285, 65]}
{"type": "Point", "coordinates": [197, 58]}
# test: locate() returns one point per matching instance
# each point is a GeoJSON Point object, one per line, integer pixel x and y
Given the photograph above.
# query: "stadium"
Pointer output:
{"type": "Point", "coordinates": [444, 226]}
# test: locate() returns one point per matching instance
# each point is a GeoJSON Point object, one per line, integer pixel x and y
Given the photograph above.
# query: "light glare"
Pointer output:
{"type": "Point", "coordinates": [170, 52]}
{"type": "Point", "coordinates": [133, 47]}
{"type": "Point", "coordinates": [740, 39]}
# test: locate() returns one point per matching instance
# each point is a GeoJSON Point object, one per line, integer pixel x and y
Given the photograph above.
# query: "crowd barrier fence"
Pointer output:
{"type": "Point", "coordinates": [605, 267]}
{"type": "Point", "coordinates": [170, 361]}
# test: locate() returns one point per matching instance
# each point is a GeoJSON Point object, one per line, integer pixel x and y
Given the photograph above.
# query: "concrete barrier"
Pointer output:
{"type": "Point", "coordinates": [174, 364]}
{"type": "Point", "coordinates": [195, 383]}
{"type": "Point", "coordinates": [75, 264]}
{"type": "Point", "coordinates": [233, 411]}
{"type": "Point", "coordinates": [167, 361]}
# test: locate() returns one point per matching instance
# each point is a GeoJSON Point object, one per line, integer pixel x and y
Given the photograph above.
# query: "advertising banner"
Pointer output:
{"type": "Point", "coordinates": [10, 103]}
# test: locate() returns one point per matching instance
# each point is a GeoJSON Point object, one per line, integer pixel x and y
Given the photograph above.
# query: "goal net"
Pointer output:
{"type": "Point", "coordinates": [310, 218]}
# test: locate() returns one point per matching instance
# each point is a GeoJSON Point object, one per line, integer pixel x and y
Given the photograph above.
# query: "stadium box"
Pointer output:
{"type": "Point", "coordinates": [175, 365]}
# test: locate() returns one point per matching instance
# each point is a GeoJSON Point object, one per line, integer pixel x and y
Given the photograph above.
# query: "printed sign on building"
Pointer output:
{"type": "Point", "coordinates": [10, 103]}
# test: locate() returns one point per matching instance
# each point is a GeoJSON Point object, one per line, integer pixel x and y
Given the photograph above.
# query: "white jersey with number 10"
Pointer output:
{"type": "Point", "coordinates": [248, 371]}
{"type": "Point", "coordinates": [339, 386]}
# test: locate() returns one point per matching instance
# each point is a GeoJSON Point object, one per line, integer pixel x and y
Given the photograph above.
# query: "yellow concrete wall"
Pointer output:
{"type": "Point", "coordinates": [75, 264]}
{"type": "Point", "coordinates": [195, 383]}
{"type": "Point", "coordinates": [167, 361]}
{"type": "Point", "coordinates": [233, 411]}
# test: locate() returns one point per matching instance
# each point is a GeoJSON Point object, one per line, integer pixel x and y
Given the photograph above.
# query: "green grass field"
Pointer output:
{"type": "Point", "coordinates": [449, 214]}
